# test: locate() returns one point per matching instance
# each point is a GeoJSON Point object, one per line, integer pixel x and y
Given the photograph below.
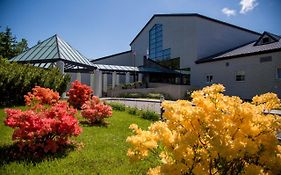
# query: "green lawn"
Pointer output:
{"type": "Point", "coordinates": [104, 151]}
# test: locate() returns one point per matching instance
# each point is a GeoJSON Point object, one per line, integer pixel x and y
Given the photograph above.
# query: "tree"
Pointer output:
{"type": "Point", "coordinates": [9, 47]}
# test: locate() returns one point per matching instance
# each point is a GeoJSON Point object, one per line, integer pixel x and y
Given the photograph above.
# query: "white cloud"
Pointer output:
{"type": "Point", "coordinates": [228, 12]}
{"type": "Point", "coordinates": [247, 5]}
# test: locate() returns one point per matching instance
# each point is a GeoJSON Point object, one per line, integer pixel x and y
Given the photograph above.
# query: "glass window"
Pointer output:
{"type": "Point", "coordinates": [279, 73]}
{"type": "Point", "coordinates": [265, 59]}
{"type": "Point", "coordinates": [156, 51]}
{"type": "Point", "coordinates": [240, 76]}
{"type": "Point", "coordinates": [209, 78]}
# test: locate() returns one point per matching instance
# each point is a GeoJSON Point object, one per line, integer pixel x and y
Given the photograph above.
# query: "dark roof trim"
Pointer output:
{"type": "Point", "coordinates": [274, 38]}
{"type": "Point", "coordinates": [196, 15]}
{"type": "Point", "coordinates": [237, 56]}
{"type": "Point", "coordinates": [98, 59]}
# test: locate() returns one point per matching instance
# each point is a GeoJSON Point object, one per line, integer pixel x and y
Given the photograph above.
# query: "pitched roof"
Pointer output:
{"type": "Point", "coordinates": [50, 51]}
{"type": "Point", "coordinates": [196, 15]}
{"type": "Point", "coordinates": [246, 50]}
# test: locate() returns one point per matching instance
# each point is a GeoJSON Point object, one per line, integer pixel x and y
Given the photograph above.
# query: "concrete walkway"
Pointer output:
{"type": "Point", "coordinates": [143, 104]}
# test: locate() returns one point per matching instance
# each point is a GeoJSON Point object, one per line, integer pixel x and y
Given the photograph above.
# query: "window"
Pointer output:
{"type": "Point", "coordinates": [265, 40]}
{"type": "Point", "coordinates": [265, 59]}
{"type": "Point", "coordinates": [209, 78]}
{"type": "Point", "coordinates": [240, 76]}
{"type": "Point", "coordinates": [279, 73]}
{"type": "Point", "coordinates": [156, 51]}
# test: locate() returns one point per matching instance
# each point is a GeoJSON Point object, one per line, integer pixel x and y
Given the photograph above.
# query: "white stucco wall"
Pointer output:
{"type": "Point", "coordinates": [259, 77]}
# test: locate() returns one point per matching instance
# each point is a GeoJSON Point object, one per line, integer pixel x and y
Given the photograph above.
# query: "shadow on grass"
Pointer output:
{"type": "Point", "coordinates": [86, 123]}
{"type": "Point", "coordinates": [12, 153]}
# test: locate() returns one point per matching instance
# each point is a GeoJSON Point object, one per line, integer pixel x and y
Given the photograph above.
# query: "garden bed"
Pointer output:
{"type": "Point", "coordinates": [102, 150]}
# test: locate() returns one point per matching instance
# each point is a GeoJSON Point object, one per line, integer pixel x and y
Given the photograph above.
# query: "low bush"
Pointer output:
{"type": "Point", "coordinates": [43, 130]}
{"type": "Point", "coordinates": [16, 80]}
{"type": "Point", "coordinates": [132, 110]}
{"type": "Point", "coordinates": [132, 95]}
{"type": "Point", "coordinates": [95, 111]}
{"type": "Point", "coordinates": [215, 134]}
{"type": "Point", "coordinates": [41, 96]}
{"type": "Point", "coordinates": [150, 115]}
{"type": "Point", "coordinates": [117, 106]}
{"type": "Point", "coordinates": [78, 94]}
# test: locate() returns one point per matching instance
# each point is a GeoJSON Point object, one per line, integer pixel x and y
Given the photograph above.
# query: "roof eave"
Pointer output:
{"type": "Point", "coordinates": [237, 56]}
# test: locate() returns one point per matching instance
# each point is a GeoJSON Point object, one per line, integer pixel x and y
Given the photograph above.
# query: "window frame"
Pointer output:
{"type": "Point", "coordinates": [240, 74]}
{"type": "Point", "coordinates": [277, 75]}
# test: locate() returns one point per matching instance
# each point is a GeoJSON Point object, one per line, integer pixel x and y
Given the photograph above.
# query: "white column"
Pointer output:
{"type": "Point", "coordinates": [78, 76]}
{"type": "Point", "coordinates": [113, 79]}
{"type": "Point", "coordinates": [140, 77]}
{"type": "Point", "coordinates": [60, 65]}
{"type": "Point", "coordinates": [104, 87]}
{"type": "Point", "coordinates": [92, 80]}
{"type": "Point", "coordinates": [117, 80]}
{"type": "Point", "coordinates": [127, 79]}
{"type": "Point", "coordinates": [98, 83]}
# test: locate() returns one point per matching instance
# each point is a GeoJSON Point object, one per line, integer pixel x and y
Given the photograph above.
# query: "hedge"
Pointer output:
{"type": "Point", "coordinates": [18, 79]}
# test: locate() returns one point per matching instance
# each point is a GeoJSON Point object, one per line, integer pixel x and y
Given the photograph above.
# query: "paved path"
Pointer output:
{"type": "Point", "coordinates": [143, 104]}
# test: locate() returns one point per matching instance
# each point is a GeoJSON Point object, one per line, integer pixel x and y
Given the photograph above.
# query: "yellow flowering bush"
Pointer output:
{"type": "Point", "coordinates": [214, 134]}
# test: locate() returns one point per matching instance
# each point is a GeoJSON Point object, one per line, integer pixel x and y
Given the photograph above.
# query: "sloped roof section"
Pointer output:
{"type": "Point", "coordinates": [51, 50]}
{"type": "Point", "coordinates": [246, 50]}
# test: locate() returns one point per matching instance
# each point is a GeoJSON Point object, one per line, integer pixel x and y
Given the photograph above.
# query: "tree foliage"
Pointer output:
{"type": "Point", "coordinates": [9, 46]}
{"type": "Point", "coordinates": [16, 80]}
{"type": "Point", "coordinates": [215, 134]}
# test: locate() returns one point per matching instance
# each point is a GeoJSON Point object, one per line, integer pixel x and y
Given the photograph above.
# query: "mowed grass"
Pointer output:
{"type": "Point", "coordinates": [104, 151]}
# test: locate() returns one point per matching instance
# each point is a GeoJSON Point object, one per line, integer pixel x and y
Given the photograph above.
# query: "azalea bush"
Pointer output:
{"type": "Point", "coordinates": [214, 134]}
{"type": "Point", "coordinates": [43, 130]}
{"type": "Point", "coordinates": [95, 111]}
{"type": "Point", "coordinates": [78, 94]}
{"type": "Point", "coordinates": [40, 95]}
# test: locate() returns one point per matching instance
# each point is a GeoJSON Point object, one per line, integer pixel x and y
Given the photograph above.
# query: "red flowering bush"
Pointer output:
{"type": "Point", "coordinates": [95, 111]}
{"type": "Point", "coordinates": [45, 130]}
{"type": "Point", "coordinates": [40, 95]}
{"type": "Point", "coordinates": [78, 94]}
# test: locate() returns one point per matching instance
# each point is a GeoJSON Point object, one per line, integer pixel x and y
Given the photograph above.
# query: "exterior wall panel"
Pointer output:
{"type": "Point", "coordinates": [259, 77]}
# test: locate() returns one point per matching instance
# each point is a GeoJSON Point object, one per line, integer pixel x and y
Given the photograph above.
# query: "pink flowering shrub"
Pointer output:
{"type": "Point", "coordinates": [95, 111]}
{"type": "Point", "coordinates": [45, 130]}
{"type": "Point", "coordinates": [78, 94]}
{"type": "Point", "coordinates": [41, 96]}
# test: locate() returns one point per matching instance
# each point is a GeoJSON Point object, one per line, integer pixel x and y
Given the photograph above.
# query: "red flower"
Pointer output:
{"type": "Point", "coordinates": [78, 94]}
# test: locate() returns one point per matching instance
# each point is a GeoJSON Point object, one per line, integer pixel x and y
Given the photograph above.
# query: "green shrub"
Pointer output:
{"type": "Point", "coordinates": [132, 95]}
{"type": "Point", "coordinates": [18, 79]}
{"type": "Point", "coordinates": [117, 106]}
{"type": "Point", "coordinates": [150, 115]}
{"type": "Point", "coordinates": [154, 95]}
{"type": "Point", "coordinates": [132, 110]}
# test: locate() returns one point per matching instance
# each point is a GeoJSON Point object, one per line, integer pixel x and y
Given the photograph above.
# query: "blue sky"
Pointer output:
{"type": "Point", "coordinates": [103, 27]}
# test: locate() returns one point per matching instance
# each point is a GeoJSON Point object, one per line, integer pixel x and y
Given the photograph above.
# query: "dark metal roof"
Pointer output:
{"type": "Point", "coordinates": [195, 15]}
{"type": "Point", "coordinates": [50, 51]}
{"type": "Point", "coordinates": [246, 50]}
{"type": "Point", "coordinates": [121, 53]}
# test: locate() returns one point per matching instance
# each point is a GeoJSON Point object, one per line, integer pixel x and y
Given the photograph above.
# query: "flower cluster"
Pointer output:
{"type": "Point", "coordinates": [214, 134]}
{"type": "Point", "coordinates": [40, 95]}
{"type": "Point", "coordinates": [45, 130]}
{"type": "Point", "coordinates": [95, 111]}
{"type": "Point", "coordinates": [78, 94]}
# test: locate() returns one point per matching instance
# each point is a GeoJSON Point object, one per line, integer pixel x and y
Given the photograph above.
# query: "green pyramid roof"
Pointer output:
{"type": "Point", "coordinates": [50, 51]}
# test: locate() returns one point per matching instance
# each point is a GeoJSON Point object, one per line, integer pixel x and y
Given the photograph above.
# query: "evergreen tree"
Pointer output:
{"type": "Point", "coordinates": [9, 47]}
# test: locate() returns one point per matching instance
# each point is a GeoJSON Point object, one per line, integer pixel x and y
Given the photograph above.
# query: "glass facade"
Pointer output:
{"type": "Point", "coordinates": [156, 51]}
